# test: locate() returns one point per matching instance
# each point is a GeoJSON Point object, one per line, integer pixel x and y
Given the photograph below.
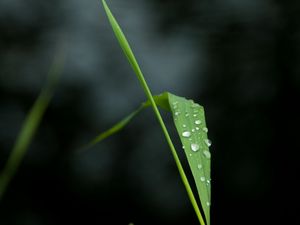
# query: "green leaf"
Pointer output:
{"type": "Point", "coordinates": [125, 46]}
{"type": "Point", "coordinates": [161, 100]}
{"type": "Point", "coordinates": [31, 124]}
{"type": "Point", "coordinates": [114, 129]}
{"type": "Point", "coordinates": [190, 123]}
{"type": "Point", "coordinates": [189, 120]}
{"type": "Point", "coordinates": [133, 62]}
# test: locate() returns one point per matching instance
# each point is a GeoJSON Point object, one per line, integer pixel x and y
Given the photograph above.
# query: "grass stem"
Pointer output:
{"type": "Point", "coordinates": [133, 62]}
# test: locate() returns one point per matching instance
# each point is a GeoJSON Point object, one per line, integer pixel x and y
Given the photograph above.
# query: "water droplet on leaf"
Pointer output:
{"type": "Point", "coordinates": [186, 134]}
{"type": "Point", "coordinates": [194, 147]}
{"type": "Point", "coordinates": [207, 142]}
{"type": "Point", "coordinates": [198, 122]}
{"type": "Point", "coordinates": [206, 154]}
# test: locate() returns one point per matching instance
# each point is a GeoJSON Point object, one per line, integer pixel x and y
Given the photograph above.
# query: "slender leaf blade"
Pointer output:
{"type": "Point", "coordinates": [124, 44]}
{"type": "Point", "coordinates": [114, 129]}
{"type": "Point", "coordinates": [190, 123]}
{"type": "Point", "coordinates": [31, 123]}
{"type": "Point", "coordinates": [131, 58]}
{"type": "Point", "coordinates": [189, 120]}
{"type": "Point", "coordinates": [161, 100]}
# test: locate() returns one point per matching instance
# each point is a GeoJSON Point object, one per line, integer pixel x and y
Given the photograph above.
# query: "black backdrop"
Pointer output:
{"type": "Point", "coordinates": [239, 59]}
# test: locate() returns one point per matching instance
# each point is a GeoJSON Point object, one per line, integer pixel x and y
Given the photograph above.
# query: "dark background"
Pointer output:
{"type": "Point", "coordinates": [240, 59]}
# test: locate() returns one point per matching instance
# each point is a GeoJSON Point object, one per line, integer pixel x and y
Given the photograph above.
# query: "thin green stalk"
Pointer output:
{"type": "Point", "coordinates": [30, 125]}
{"type": "Point", "coordinates": [133, 62]}
{"type": "Point", "coordinates": [114, 129]}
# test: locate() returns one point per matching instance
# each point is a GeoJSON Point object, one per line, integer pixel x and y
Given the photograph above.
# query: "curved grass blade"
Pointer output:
{"type": "Point", "coordinates": [130, 56]}
{"type": "Point", "coordinates": [31, 124]}
{"type": "Point", "coordinates": [189, 120]}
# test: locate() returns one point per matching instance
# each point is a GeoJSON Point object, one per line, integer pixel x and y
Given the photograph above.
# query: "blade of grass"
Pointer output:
{"type": "Point", "coordinates": [189, 120]}
{"type": "Point", "coordinates": [161, 100]}
{"type": "Point", "coordinates": [31, 124]}
{"type": "Point", "coordinates": [129, 54]}
{"type": "Point", "coordinates": [114, 129]}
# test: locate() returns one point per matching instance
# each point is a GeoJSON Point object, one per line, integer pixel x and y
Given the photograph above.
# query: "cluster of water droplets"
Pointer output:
{"type": "Point", "coordinates": [197, 126]}
{"type": "Point", "coordinates": [194, 134]}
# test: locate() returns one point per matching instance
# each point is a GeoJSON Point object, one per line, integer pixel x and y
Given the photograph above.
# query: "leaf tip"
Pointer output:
{"type": "Point", "coordinates": [104, 5]}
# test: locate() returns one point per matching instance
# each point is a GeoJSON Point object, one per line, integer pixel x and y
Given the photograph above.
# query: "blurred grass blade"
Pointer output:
{"type": "Point", "coordinates": [31, 124]}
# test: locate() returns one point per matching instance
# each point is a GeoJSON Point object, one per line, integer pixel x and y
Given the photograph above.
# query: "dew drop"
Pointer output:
{"type": "Point", "coordinates": [206, 154]}
{"type": "Point", "coordinates": [190, 154]}
{"type": "Point", "coordinates": [183, 146]}
{"type": "Point", "coordinates": [194, 115]}
{"type": "Point", "coordinates": [183, 125]}
{"type": "Point", "coordinates": [177, 113]}
{"type": "Point", "coordinates": [197, 128]}
{"type": "Point", "coordinates": [208, 203]}
{"type": "Point", "coordinates": [202, 179]}
{"type": "Point", "coordinates": [205, 129]}
{"type": "Point", "coordinates": [207, 142]}
{"type": "Point", "coordinates": [199, 166]}
{"type": "Point", "coordinates": [186, 134]}
{"type": "Point", "coordinates": [198, 122]}
{"type": "Point", "coordinates": [186, 115]}
{"type": "Point", "coordinates": [194, 147]}
{"type": "Point", "coordinates": [193, 130]}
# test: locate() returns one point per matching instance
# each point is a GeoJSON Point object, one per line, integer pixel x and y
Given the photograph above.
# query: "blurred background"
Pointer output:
{"type": "Point", "coordinates": [240, 59]}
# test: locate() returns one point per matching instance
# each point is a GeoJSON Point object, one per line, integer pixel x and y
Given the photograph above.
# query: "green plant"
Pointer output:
{"type": "Point", "coordinates": [31, 123]}
{"type": "Point", "coordinates": [190, 123]}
